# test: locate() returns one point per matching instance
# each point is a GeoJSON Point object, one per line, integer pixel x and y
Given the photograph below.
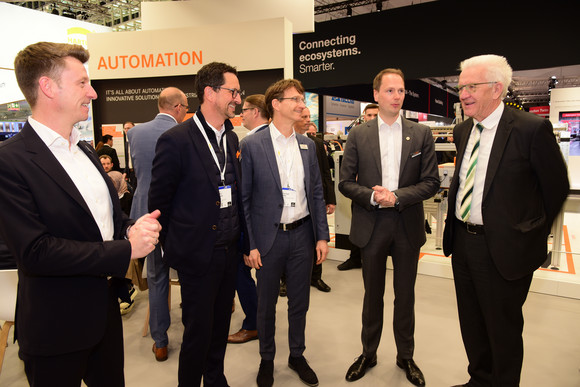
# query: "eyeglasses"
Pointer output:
{"type": "Point", "coordinates": [235, 92]}
{"type": "Point", "coordinates": [295, 99]}
{"type": "Point", "coordinates": [471, 87]}
{"type": "Point", "coordinates": [185, 106]}
{"type": "Point", "coordinates": [244, 109]}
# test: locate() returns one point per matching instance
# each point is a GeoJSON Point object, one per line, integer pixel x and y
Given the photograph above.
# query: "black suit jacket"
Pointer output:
{"type": "Point", "coordinates": [361, 170]}
{"type": "Point", "coordinates": [184, 186]}
{"type": "Point", "coordinates": [327, 183]}
{"type": "Point", "coordinates": [62, 260]}
{"type": "Point", "coordinates": [526, 184]}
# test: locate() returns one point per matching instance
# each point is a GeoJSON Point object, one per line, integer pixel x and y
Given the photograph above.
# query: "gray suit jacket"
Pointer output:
{"type": "Point", "coordinates": [142, 139]}
{"type": "Point", "coordinates": [361, 170]}
{"type": "Point", "coordinates": [262, 190]}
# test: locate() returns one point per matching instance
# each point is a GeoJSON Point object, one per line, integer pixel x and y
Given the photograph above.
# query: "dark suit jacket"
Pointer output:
{"type": "Point", "coordinates": [526, 184]}
{"type": "Point", "coordinates": [361, 170]}
{"type": "Point", "coordinates": [327, 183]}
{"type": "Point", "coordinates": [62, 260]}
{"type": "Point", "coordinates": [112, 153]}
{"type": "Point", "coordinates": [262, 190]}
{"type": "Point", "coordinates": [184, 186]}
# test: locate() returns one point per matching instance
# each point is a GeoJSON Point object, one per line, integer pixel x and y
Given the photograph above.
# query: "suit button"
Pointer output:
{"type": "Point", "coordinates": [276, 224]}
{"type": "Point", "coordinates": [214, 227]}
{"type": "Point", "coordinates": [217, 203]}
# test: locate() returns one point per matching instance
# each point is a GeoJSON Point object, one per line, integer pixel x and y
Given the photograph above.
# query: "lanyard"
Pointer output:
{"type": "Point", "coordinates": [202, 130]}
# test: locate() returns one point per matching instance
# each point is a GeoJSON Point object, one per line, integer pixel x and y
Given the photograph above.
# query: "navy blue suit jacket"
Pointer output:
{"type": "Point", "coordinates": [262, 190]}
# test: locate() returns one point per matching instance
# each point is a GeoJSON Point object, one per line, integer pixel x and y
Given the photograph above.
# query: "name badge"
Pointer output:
{"type": "Point", "coordinates": [303, 146]}
{"type": "Point", "coordinates": [225, 196]}
{"type": "Point", "coordinates": [289, 196]}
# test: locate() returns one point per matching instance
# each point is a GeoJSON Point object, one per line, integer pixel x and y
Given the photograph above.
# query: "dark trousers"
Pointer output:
{"type": "Point", "coordinates": [389, 238]}
{"type": "Point", "coordinates": [290, 254]}
{"type": "Point", "coordinates": [247, 293]}
{"type": "Point", "coordinates": [206, 313]}
{"type": "Point", "coordinates": [316, 269]}
{"type": "Point", "coordinates": [490, 312]}
{"type": "Point", "coordinates": [98, 366]}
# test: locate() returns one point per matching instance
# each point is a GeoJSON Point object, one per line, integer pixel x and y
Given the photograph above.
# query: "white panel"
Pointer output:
{"type": "Point", "coordinates": [263, 44]}
{"type": "Point", "coordinates": [21, 27]}
{"type": "Point", "coordinates": [175, 14]}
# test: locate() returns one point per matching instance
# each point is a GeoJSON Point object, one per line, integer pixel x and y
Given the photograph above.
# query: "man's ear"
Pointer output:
{"type": "Point", "coordinates": [46, 86]}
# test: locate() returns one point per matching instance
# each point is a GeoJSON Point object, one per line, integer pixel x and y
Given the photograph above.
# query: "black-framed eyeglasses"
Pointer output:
{"type": "Point", "coordinates": [295, 99]}
{"type": "Point", "coordinates": [185, 106]}
{"type": "Point", "coordinates": [250, 108]}
{"type": "Point", "coordinates": [235, 92]}
{"type": "Point", "coordinates": [471, 87]}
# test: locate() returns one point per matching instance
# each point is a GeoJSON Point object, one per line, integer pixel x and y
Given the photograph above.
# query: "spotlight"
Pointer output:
{"type": "Point", "coordinates": [379, 5]}
{"type": "Point", "coordinates": [348, 11]}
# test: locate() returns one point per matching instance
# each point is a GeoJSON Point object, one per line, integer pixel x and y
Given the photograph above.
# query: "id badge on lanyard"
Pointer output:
{"type": "Point", "coordinates": [225, 196]}
{"type": "Point", "coordinates": [289, 196]}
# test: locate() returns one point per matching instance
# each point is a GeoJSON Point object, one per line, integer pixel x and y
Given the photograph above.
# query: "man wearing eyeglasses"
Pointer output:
{"type": "Point", "coordinates": [286, 221]}
{"type": "Point", "coordinates": [389, 168]}
{"type": "Point", "coordinates": [509, 184]}
{"type": "Point", "coordinates": [172, 104]}
{"type": "Point", "coordinates": [195, 179]}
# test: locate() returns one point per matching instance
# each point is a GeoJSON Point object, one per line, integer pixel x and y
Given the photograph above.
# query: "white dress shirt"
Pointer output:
{"type": "Point", "coordinates": [291, 170]}
{"type": "Point", "coordinates": [490, 124]}
{"type": "Point", "coordinates": [83, 173]}
{"type": "Point", "coordinates": [390, 143]}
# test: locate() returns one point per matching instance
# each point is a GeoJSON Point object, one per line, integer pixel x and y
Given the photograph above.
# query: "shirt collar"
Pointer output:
{"type": "Point", "coordinates": [380, 121]}
{"type": "Point", "coordinates": [491, 121]}
{"type": "Point", "coordinates": [49, 136]}
{"type": "Point", "coordinates": [168, 115]}
{"type": "Point", "coordinates": [276, 134]}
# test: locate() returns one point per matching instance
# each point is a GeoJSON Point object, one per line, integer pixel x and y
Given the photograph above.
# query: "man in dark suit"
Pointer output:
{"type": "Point", "coordinates": [499, 217]}
{"type": "Point", "coordinates": [389, 168]}
{"type": "Point", "coordinates": [107, 149]}
{"type": "Point", "coordinates": [286, 219]}
{"type": "Point", "coordinates": [172, 105]}
{"type": "Point", "coordinates": [62, 221]}
{"type": "Point", "coordinates": [327, 188]}
{"type": "Point", "coordinates": [195, 180]}
{"type": "Point", "coordinates": [255, 117]}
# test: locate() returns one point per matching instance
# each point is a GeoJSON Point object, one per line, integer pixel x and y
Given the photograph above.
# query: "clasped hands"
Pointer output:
{"type": "Point", "coordinates": [384, 197]}
{"type": "Point", "coordinates": [144, 234]}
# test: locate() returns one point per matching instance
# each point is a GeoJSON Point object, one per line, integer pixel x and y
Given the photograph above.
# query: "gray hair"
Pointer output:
{"type": "Point", "coordinates": [497, 69]}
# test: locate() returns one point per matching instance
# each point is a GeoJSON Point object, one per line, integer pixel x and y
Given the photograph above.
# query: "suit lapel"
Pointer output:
{"type": "Point", "coordinates": [499, 142]}
{"type": "Point", "coordinates": [406, 133]}
{"type": "Point", "coordinates": [304, 155]}
{"type": "Point", "coordinates": [200, 145]}
{"type": "Point", "coordinates": [268, 149]}
{"type": "Point", "coordinates": [46, 161]}
{"type": "Point", "coordinates": [374, 144]}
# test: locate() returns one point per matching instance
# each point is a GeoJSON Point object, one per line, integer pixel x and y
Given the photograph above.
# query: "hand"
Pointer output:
{"type": "Point", "coordinates": [384, 197]}
{"type": "Point", "coordinates": [254, 260]}
{"type": "Point", "coordinates": [330, 208]}
{"type": "Point", "coordinates": [321, 251]}
{"type": "Point", "coordinates": [144, 234]}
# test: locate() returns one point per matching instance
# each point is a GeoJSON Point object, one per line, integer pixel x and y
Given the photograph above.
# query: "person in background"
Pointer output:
{"type": "Point", "coordinates": [107, 149]}
{"type": "Point", "coordinates": [302, 127]}
{"type": "Point", "coordinates": [255, 117]}
{"type": "Point", "coordinates": [389, 168]}
{"type": "Point", "coordinates": [129, 171]}
{"type": "Point", "coordinates": [285, 216]}
{"type": "Point", "coordinates": [510, 183]}
{"type": "Point", "coordinates": [72, 247]}
{"type": "Point", "coordinates": [196, 182]}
